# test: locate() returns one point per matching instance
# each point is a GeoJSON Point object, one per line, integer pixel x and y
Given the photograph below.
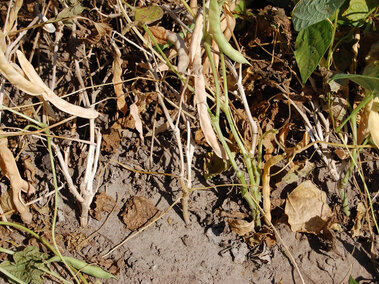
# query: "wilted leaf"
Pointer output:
{"type": "Point", "coordinates": [148, 15]}
{"type": "Point", "coordinates": [25, 265]}
{"type": "Point", "coordinates": [6, 201]}
{"type": "Point", "coordinates": [137, 212]}
{"type": "Point", "coordinates": [97, 33]}
{"type": "Point", "coordinates": [241, 227]}
{"type": "Point", "coordinates": [111, 140]}
{"type": "Point", "coordinates": [159, 33]}
{"type": "Point", "coordinates": [306, 209]}
{"type": "Point", "coordinates": [297, 171]}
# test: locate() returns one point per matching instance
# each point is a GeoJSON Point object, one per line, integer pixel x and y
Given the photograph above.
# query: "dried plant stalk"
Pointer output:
{"type": "Point", "coordinates": [9, 169]}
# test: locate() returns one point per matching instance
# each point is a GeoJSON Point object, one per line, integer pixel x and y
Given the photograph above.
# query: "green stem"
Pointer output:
{"type": "Point", "coordinates": [330, 53]}
{"type": "Point", "coordinates": [216, 124]}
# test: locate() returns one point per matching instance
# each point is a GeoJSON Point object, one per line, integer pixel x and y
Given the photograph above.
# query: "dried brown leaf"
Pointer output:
{"type": "Point", "coordinates": [98, 33]}
{"type": "Point", "coordinates": [266, 186]}
{"type": "Point", "coordinates": [111, 140]}
{"type": "Point", "coordinates": [137, 212]}
{"type": "Point", "coordinates": [159, 33]}
{"type": "Point", "coordinates": [307, 209]}
{"type": "Point", "coordinates": [103, 203]}
{"type": "Point", "coordinates": [241, 227]}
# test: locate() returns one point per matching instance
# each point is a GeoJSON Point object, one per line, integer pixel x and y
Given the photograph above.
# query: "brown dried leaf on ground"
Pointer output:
{"type": "Point", "coordinates": [103, 203]}
{"type": "Point", "coordinates": [241, 227]}
{"type": "Point", "coordinates": [307, 209]}
{"type": "Point", "coordinates": [9, 169]}
{"type": "Point", "coordinates": [137, 212]}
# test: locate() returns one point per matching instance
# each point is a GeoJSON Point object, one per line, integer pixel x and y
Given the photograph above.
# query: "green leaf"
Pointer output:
{"type": "Point", "coordinates": [368, 82]}
{"type": "Point", "coordinates": [311, 45]}
{"type": "Point", "coordinates": [352, 280]}
{"type": "Point", "coordinates": [357, 10]}
{"type": "Point", "coordinates": [148, 15]}
{"type": "Point", "coordinates": [309, 12]}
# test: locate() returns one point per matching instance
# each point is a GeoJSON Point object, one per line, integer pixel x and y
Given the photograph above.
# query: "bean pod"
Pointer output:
{"type": "Point", "coordinates": [218, 35]}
